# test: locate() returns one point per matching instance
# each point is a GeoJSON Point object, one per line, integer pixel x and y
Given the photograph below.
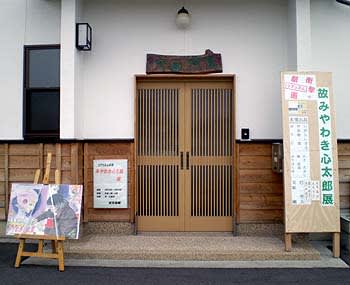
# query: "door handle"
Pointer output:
{"type": "Point", "coordinates": [187, 160]}
{"type": "Point", "coordinates": [181, 160]}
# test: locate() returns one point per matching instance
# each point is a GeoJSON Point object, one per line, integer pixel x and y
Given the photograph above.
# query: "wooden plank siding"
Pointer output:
{"type": "Point", "coordinates": [18, 163]}
{"type": "Point", "coordinates": [260, 190]}
{"type": "Point", "coordinates": [3, 173]}
{"type": "Point", "coordinates": [344, 176]}
{"type": "Point", "coordinates": [259, 195]}
{"type": "Point", "coordinates": [118, 150]}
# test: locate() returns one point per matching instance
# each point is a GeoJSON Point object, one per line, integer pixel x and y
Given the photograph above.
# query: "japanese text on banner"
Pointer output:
{"type": "Point", "coordinates": [325, 140]}
{"type": "Point", "coordinates": [300, 87]}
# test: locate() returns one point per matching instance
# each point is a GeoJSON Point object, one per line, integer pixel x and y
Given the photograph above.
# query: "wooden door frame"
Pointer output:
{"type": "Point", "coordinates": [191, 78]}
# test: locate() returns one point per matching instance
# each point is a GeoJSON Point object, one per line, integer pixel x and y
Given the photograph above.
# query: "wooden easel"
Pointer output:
{"type": "Point", "coordinates": [56, 242]}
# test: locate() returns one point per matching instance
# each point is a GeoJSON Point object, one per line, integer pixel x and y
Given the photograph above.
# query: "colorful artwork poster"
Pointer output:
{"type": "Point", "coordinates": [111, 183]}
{"type": "Point", "coordinates": [38, 209]}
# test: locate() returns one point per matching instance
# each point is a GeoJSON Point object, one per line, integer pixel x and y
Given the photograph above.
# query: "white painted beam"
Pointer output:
{"type": "Point", "coordinates": [69, 67]}
{"type": "Point", "coordinates": [299, 35]}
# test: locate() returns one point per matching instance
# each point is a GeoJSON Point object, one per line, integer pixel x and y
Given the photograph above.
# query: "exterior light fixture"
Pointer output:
{"type": "Point", "coordinates": [183, 18]}
{"type": "Point", "coordinates": [83, 36]}
{"type": "Point", "coordinates": [345, 2]}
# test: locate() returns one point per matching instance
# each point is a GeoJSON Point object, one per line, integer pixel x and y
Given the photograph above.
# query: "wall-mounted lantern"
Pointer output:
{"type": "Point", "coordinates": [345, 2]}
{"type": "Point", "coordinates": [183, 19]}
{"type": "Point", "coordinates": [83, 36]}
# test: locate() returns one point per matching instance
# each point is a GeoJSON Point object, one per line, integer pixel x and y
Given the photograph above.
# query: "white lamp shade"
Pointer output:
{"type": "Point", "coordinates": [183, 20]}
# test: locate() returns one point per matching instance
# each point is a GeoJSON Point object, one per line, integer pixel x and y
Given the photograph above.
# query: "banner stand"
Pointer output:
{"type": "Point", "coordinates": [56, 241]}
{"type": "Point", "coordinates": [311, 178]}
{"type": "Point", "coordinates": [336, 243]}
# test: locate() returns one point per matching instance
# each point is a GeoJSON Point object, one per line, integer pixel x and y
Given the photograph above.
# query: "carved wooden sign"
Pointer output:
{"type": "Point", "coordinates": [194, 64]}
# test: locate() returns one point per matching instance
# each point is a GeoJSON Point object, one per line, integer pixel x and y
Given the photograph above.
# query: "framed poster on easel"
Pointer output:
{"type": "Point", "coordinates": [311, 183]}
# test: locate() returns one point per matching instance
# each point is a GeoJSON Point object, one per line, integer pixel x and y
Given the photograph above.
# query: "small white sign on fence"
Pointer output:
{"type": "Point", "coordinates": [111, 183]}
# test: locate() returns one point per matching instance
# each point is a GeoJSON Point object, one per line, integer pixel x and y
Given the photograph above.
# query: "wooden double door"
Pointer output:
{"type": "Point", "coordinates": [185, 154]}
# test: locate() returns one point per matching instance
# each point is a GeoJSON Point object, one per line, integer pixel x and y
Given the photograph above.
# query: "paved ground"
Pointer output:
{"type": "Point", "coordinates": [222, 246]}
{"type": "Point", "coordinates": [325, 260]}
{"type": "Point", "coordinates": [101, 275]}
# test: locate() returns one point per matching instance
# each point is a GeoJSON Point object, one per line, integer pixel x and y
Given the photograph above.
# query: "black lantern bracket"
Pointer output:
{"type": "Point", "coordinates": [83, 36]}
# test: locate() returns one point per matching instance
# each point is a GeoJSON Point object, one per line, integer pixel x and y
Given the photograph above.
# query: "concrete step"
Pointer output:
{"type": "Point", "coordinates": [212, 247]}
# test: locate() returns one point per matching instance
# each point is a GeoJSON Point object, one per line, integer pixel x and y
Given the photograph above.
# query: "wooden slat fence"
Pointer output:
{"type": "Point", "coordinates": [18, 163]}
{"type": "Point", "coordinates": [260, 191]}
{"type": "Point", "coordinates": [118, 150]}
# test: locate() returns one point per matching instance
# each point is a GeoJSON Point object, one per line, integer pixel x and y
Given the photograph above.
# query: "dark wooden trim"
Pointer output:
{"type": "Point", "coordinates": [57, 140]}
{"type": "Point", "coordinates": [99, 140]}
{"type": "Point", "coordinates": [235, 159]}
{"type": "Point", "coordinates": [24, 97]}
{"type": "Point", "coordinates": [269, 141]}
{"type": "Point", "coordinates": [136, 208]}
{"type": "Point", "coordinates": [184, 77]}
{"type": "Point", "coordinates": [261, 141]}
{"type": "Point", "coordinates": [85, 193]}
{"type": "Point", "coordinates": [7, 186]}
{"type": "Point", "coordinates": [43, 46]}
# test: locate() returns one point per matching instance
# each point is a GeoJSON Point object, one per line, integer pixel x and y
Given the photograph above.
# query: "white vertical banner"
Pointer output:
{"type": "Point", "coordinates": [311, 182]}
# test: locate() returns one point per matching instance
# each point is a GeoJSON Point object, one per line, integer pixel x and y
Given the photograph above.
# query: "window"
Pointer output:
{"type": "Point", "coordinates": [41, 104]}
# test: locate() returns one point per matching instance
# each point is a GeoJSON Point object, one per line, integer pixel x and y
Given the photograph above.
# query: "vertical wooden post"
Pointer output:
{"type": "Point", "coordinates": [288, 241]}
{"type": "Point", "coordinates": [57, 177]}
{"type": "Point", "coordinates": [134, 165]}
{"type": "Point", "coordinates": [234, 160]}
{"type": "Point", "coordinates": [40, 246]}
{"type": "Point", "coordinates": [85, 194]}
{"type": "Point", "coordinates": [336, 245]}
{"type": "Point", "coordinates": [74, 163]}
{"type": "Point", "coordinates": [60, 255]}
{"type": "Point", "coordinates": [236, 192]}
{"type": "Point", "coordinates": [132, 181]}
{"type": "Point", "coordinates": [7, 187]}
{"type": "Point", "coordinates": [19, 252]}
{"type": "Point", "coordinates": [41, 159]}
{"type": "Point", "coordinates": [47, 169]}
{"type": "Point", "coordinates": [58, 162]}
{"type": "Point", "coordinates": [36, 176]}
{"type": "Point", "coordinates": [54, 246]}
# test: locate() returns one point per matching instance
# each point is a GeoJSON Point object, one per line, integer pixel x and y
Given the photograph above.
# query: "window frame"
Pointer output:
{"type": "Point", "coordinates": [27, 91]}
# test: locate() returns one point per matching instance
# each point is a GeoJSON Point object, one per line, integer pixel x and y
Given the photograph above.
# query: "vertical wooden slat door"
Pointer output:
{"type": "Point", "coordinates": [208, 144]}
{"type": "Point", "coordinates": [184, 155]}
{"type": "Point", "coordinates": [159, 141]}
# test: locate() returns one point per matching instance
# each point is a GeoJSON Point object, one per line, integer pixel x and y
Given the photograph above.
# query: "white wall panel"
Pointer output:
{"type": "Point", "coordinates": [330, 23]}
{"type": "Point", "coordinates": [21, 22]}
{"type": "Point", "coordinates": [253, 37]}
{"type": "Point", "coordinates": [43, 20]}
{"type": "Point", "coordinates": [12, 23]}
{"type": "Point", "coordinates": [250, 35]}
